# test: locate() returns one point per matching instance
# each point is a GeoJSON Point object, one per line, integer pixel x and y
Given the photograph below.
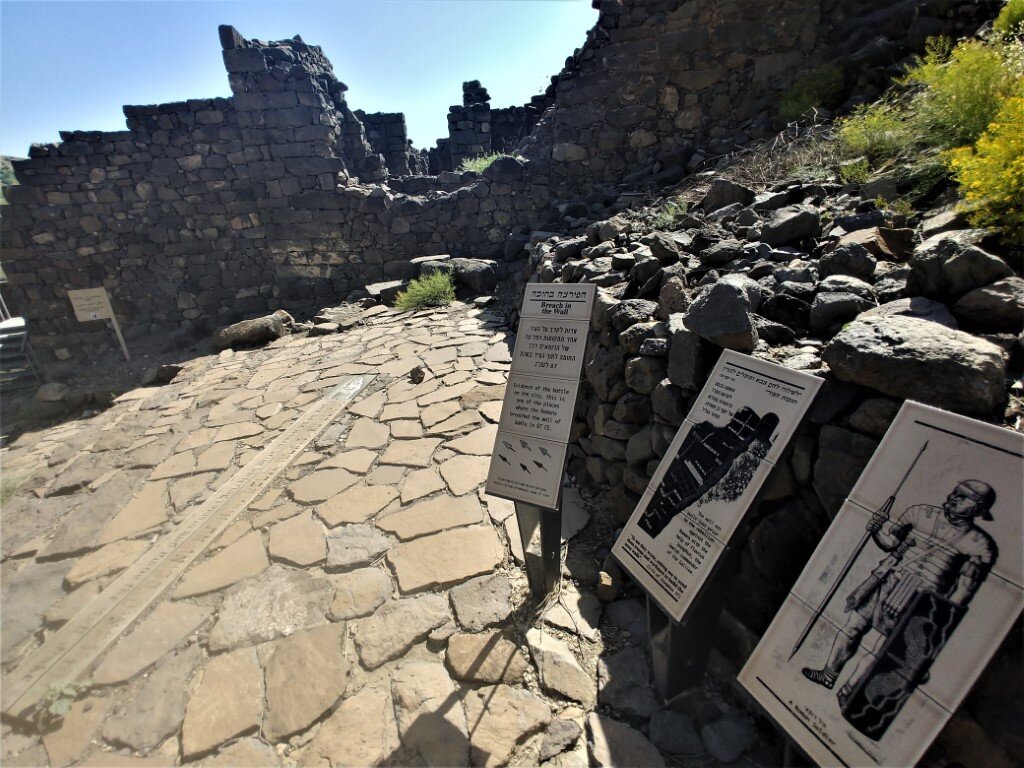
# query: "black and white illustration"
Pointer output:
{"type": "Point", "coordinates": [713, 463]}
{"type": "Point", "coordinates": [710, 474]}
{"type": "Point", "coordinates": [905, 599]}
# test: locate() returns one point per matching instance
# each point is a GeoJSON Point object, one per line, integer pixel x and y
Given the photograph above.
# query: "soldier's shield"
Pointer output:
{"type": "Point", "coordinates": [902, 664]}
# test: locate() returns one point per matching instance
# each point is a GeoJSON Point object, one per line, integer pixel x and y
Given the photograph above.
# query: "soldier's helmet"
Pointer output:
{"type": "Point", "coordinates": [981, 492]}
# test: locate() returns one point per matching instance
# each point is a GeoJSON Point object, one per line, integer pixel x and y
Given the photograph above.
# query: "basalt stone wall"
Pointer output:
{"type": "Point", "coordinates": [386, 133]}
{"type": "Point", "coordinates": [212, 209]}
{"type": "Point", "coordinates": [657, 78]}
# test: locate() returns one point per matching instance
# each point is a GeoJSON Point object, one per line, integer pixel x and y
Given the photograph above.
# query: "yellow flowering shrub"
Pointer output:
{"type": "Point", "coordinates": [991, 174]}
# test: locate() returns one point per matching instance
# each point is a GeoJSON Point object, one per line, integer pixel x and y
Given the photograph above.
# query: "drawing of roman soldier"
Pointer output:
{"type": "Point", "coordinates": [933, 551]}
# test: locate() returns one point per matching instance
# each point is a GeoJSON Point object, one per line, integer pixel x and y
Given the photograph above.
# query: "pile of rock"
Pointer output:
{"type": "Point", "coordinates": [811, 277]}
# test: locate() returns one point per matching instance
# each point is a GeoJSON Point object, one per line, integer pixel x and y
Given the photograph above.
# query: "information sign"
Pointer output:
{"type": "Point", "coordinates": [711, 473]}
{"type": "Point", "coordinates": [907, 597]}
{"type": "Point", "coordinates": [90, 304]}
{"type": "Point", "coordinates": [536, 417]}
{"type": "Point", "coordinates": [94, 304]}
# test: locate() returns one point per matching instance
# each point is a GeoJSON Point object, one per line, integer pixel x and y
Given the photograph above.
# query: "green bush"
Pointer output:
{"type": "Point", "coordinates": [821, 87]}
{"type": "Point", "coordinates": [877, 132]}
{"type": "Point", "coordinates": [1010, 20]}
{"type": "Point", "coordinates": [670, 213]}
{"type": "Point", "coordinates": [482, 163]}
{"type": "Point", "coordinates": [433, 290]}
{"type": "Point", "coordinates": [991, 174]}
{"type": "Point", "coordinates": [960, 91]}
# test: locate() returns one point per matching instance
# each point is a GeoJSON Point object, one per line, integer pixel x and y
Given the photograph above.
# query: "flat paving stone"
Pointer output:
{"type": "Point", "coordinates": [400, 411]}
{"type": "Point", "coordinates": [431, 516]}
{"type": "Point", "coordinates": [500, 717]}
{"type": "Point", "coordinates": [420, 483]}
{"type": "Point", "coordinates": [560, 670]}
{"type": "Point", "coordinates": [111, 559]}
{"type": "Point", "coordinates": [398, 625]}
{"type": "Point", "coordinates": [367, 433]}
{"type": "Point", "coordinates": [227, 703]}
{"type": "Point", "coordinates": [76, 730]}
{"type": "Point", "coordinates": [352, 545]}
{"type": "Point", "coordinates": [482, 602]}
{"type": "Point", "coordinates": [435, 414]}
{"type": "Point", "coordinates": [244, 752]}
{"type": "Point", "coordinates": [282, 510]}
{"type": "Point", "coordinates": [158, 709]}
{"type": "Point", "coordinates": [280, 601]}
{"type": "Point", "coordinates": [298, 541]}
{"type": "Point", "coordinates": [65, 609]}
{"type": "Point", "coordinates": [27, 594]}
{"type": "Point", "coordinates": [614, 744]}
{"type": "Point", "coordinates": [159, 633]}
{"type": "Point", "coordinates": [238, 431]}
{"type": "Point", "coordinates": [359, 593]}
{"type": "Point", "coordinates": [465, 473]}
{"type": "Point", "coordinates": [321, 485]}
{"type": "Point", "coordinates": [305, 676]}
{"type": "Point", "coordinates": [445, 558]}
{"type": "Point", "coordinates": [431, 720]}
{"type": "Point", "coordinates": [369, 406]}
{"type": "Point", "coordinates": [457, 423]}
{"type": "Point", "coordinates": [216, 458]}
{"type": "Point", "coordinates": [479, 442]}
{"type": "Point", "coordinates": [361, 732]}
{"type": "Point", "coordinates": [491, 410]}
{"type": "Point", "coordinates": [359, 460]}
{"type": "Point", "coordinates": [575, 612]}
{"type": "Point", "coordinates": [446, 393]}
{"type": "Point", "coordinates": [406, 429]}
{"type": "Point", "coordinates": [355, 505]}
{"type": "Point", "coordinates": [147, 510]}
{"type": "Point", "coordinates": [410, 453]}
{"type": "Point", "coordinates": [176, 466]}
{"type": "Point", "coordinates": [486, 657]}
{"type": "Point", "coordinates": [241, 560]}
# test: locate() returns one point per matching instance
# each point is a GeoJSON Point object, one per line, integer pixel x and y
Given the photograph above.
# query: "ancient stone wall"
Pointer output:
{"type": "Point", "coordinates": [386, 133]}
{"type": "Point", "coordinates": [212, 209]}
{"type": "Point", "coordinates": [658, 78]}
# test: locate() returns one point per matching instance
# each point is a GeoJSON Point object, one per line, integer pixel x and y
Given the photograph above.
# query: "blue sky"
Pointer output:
{"type": "Point", "coordinates": [71, 65]}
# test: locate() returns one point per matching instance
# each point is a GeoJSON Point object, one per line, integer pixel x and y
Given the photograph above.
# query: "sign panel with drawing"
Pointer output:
{"type": "Point", "coordinates": [720, 457]}
{"type": "Point", "coordinates": [906, 598]}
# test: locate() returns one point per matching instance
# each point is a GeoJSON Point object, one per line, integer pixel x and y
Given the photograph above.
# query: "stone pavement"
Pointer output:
{"type": "Point", "coordinates": [368, 608]}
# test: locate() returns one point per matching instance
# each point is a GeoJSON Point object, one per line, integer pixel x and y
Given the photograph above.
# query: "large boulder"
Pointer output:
{"type": "Point", "coordinates": [259, 330]}
{"type": "Point", "coordinates": [505, 169]}
{"type": "Point", "coordinates": [996, 307]}
{"type": "Point", "coordinates": [722, 314]}
{"type": "Point", "coordinates": [791, 224]}
{"type": "Point", "coordinates": [907, 357]}
{"type": "Point", "coordinates": [918, 306]}
{"type": "Point", "coordinates": [947, 266]}
{"type": "Point", "coordinates": [724, 192]}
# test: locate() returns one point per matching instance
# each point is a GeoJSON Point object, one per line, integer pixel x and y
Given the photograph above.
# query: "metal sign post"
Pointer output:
{"type": "Point", "coordinates": [94, 304]}
{"type": "Point", "coordinates": [529, 457]}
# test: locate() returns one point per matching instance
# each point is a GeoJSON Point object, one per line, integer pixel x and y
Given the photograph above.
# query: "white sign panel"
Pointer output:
{"type": "Point", "coordinates": [720, 457]}
{"type": "Point", "coordinates": [539, 406]}
{"type": "Point", "coordinates": [907, 597]}
{"type": "Point", "coordinates": [90, 304]}
{"type": "Point", "coordinates": [527, 469]}
{"type": "Point", "coordinates": [566, 302]}
{"type": "Point", "coordinates": [540, 397]}
{"type": "Point", "coordinates": [550, 347]}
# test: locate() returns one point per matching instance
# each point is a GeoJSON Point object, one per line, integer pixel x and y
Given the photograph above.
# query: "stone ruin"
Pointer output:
{"type": "Point", "coordinates": [210, 210]}
{"type": "Point", "coordinates": [206, 211]}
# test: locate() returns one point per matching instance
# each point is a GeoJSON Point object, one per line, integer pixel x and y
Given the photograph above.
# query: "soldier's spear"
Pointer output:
{"type": "Point", "coordinates": [883, 512]}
